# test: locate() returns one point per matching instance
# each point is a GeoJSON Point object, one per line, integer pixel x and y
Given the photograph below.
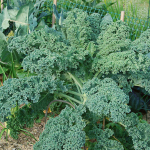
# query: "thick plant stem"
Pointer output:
{"type": "Point", "coordinates": [69, 97]}
{"type": "Point", "coordinates": [53, 102]}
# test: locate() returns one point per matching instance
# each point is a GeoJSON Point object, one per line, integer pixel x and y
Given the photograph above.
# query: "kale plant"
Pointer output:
{"type": "Point", "coordinates": [94, 67]}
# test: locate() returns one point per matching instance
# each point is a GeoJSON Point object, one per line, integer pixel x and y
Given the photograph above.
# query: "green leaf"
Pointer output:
{"type": "Point", "coordinates": [4, 20]}
{"type": "Point", "coordinates": [22, 74]}
{"type": "Point", "coordinates": [91, 48]}
{"type": "Point", "coordinates": [18, 3]}
{"type": "Point", "coordinates": [2, 125]}
{"type": "Point", "coordinates": [3, 44]}
{"type": "Point", "coordinates": [12, 13]}
{"type": "Point", "coordinates": [24, 13]}
{"type": "Point", "coordinates": [31, 135]}
{"type": "Point", "coordinates": [3, 70]}
{"type": "Point", "coordinates": [137, 101]}
{"type": "Point", "coordinates": [2, 132]}
{"type": "Point", "coordinates": [100, 6]}
{"type": "Point", "coordinates": [2, 37]}
{"type": "Point", "coordinates": [22, 18]}
{"type": "Point", "coordinates": [32, 22]}
{"type": "Point", "coordinates": [5, 56]}
{"type": "Point", "coordinates": [21, 30]}
{"type": "Point", "coordinates": [148, 55]}
{"type": "Point", "coordinates": [41, 25]}
{"type": "Point", "coordinates": [107, 17]}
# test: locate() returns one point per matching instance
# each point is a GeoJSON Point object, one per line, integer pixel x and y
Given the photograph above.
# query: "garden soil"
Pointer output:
{"type": "Point", "coordinates": [25, 142]}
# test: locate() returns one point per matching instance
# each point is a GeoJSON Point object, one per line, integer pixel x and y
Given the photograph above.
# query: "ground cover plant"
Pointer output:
{"type": "Point", "coordinates": [90, 62]}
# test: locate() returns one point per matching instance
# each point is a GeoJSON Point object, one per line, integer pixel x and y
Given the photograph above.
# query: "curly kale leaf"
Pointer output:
{"type": "Point", "coordinates": [140, 136]}
{"type": "Point", "coordinates": [106, 21]}
{"type": "Point", "coordinates": [24, 90]}
{"type": "Point", "coordinates": [140, 132]}
{"type": "Point", "coordinates": [103, 140]}
{"type": "Point", "coordinates": [77, 28]}
{"type": "Point", "coordinates": [141, 79]}
{"type": "Point", "coordinates": [64, 131]}
{"type": "Point", "coordinates": [48, 53]}
{"type": "Point", "coordinates": [113, 39]}
{"type": "Point", "coordinates": [45, 61]}
{"type": "Point", "coordinates": [35, 41]}
{"type": "Point", "coordinates": [80, 28]}
{"type": "Point", "coordinates": [122, 62]}
{"type": "Point", "coordinates": [95, 22]}
{"type": "Point", "coordinates": [105, 98]}
{"type": "Point", "coordinates": [114, 55]}
{"type": "Point", "coordinates": [142, 44]}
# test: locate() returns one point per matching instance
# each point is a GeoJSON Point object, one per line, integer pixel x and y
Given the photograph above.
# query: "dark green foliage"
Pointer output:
{"type": "Point", "coordinates": [138, 131]}
{"type": "Point", "coordinates": [43, 102]}
{"type": "Point", "coordinates": [138, 100]}
{"type": "Point", "coordinates": [24, 117]}
{"type": "Point", "coordinates": [121, 134]}
{"type": "Point", "coordinates": [103, 140]}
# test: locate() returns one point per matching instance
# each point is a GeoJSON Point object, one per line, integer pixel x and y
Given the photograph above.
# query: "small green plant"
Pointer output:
{"type": "Point", "coordinates": [18, 119]}
{"type": "Point", "coordinates": [23, 117]}
{"type": "Point", "coordinates": [4, 129]}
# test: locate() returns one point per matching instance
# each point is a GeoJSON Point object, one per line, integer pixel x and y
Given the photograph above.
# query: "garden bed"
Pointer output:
{"type": "Point", "coordinates": [94, 78]}
{"type": "Point", "coordinates": [25, 142]}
